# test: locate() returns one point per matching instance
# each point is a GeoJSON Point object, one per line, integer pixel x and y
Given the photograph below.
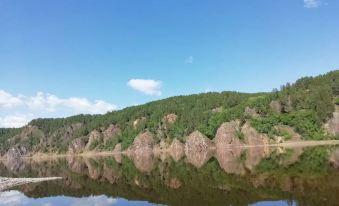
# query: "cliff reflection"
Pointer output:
{"type": "Point", "coordinates": [238, 176]}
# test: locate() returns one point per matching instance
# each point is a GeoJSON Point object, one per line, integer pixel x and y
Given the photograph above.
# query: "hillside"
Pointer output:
{"type": "Point", "coordinates": [304, 110]}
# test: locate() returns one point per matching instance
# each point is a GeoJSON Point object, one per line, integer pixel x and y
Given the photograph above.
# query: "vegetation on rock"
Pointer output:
{"type": "Point", "coordinates": [305, 106]}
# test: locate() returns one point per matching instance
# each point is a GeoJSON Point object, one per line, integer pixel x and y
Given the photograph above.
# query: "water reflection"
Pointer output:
{"type": "Point", "coordinates": [13, 197]}
{"type": "Point", "coordinates": [238, 176]}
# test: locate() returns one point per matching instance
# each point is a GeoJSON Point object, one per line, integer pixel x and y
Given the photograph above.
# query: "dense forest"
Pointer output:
{"type": "Point", "coordinates": [305, 105]}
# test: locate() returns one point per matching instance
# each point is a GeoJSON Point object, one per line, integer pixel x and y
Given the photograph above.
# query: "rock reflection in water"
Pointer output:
{"type": "Point", "coordinates": [334, 158]}
{"type": "Point", "coordinates": [225, 179]}
{"type": "Point", "coordinates": [229, 160]}
{"type": "Point", "coordinates": [254, 156]}
{"type": "Point", "coordinates": [144, 162]}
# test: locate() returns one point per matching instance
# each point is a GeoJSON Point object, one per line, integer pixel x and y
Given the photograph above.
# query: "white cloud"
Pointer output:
{"type": "Point", "coordinates": [146, 86]}
{"type": "Point", "coordinates": [45, 105]}
{"type": "Point", "coordinates": [13, 198]}
{"type": "Point", "coordinates": [189, 60]}
{"type": "Point", "coordinates": [17, 120]}
{"type": "Point", "coordinates": [312, 3]}
{"type": "Point", "coordinates": [7, 100]}
{"type": "Point", "coordinates": [100, 200]}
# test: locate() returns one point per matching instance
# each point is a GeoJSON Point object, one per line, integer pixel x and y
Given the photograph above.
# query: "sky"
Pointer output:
{"type": "Point", "coordinates": [17, 198]}
{"type": "Point", "coordinates": [60, 58]}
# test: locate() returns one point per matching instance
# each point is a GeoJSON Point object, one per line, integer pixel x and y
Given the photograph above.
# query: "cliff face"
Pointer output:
{"type": "Point", "coordinates": [196, 147]}
{"type": "Point", "coordinates": [229, 119]}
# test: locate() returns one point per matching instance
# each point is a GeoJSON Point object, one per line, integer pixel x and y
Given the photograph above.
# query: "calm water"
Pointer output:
{"type": "Point", "coordinates": [257, 176]}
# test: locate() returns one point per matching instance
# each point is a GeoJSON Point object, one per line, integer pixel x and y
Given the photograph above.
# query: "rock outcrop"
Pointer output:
{"type": "Point", "coordinates": [117, 153]}
{"type": "Point", "coordinates": [76, 164]}
{"type": "Point", "coordinates": [292, 157]}
{"type": "Point", "coordinates": [92, 138]}
{"type": "Point", "coordinates": [161, 150]}
{"type": "Point", "coordinates": [138, 121]}
{"type": "Point", "coordinates": [143, 143]}
{"type": "Point", "coordinates": [334, 158]}
{"type": "Point", "coordinates": [252, 137]}
{"type": "Point", "coordinates": [276, 106]}
{"type": "Point", "coordinates": [174, 183]}
{"type": "Point", "coordinates": [198, 149]}
{"type": "Point", "coordinates": [226, 135]}
{"type": "Point", "coordinates": [177, 150]}
{"type": "Point", "coordinates": [77, 146]}
{"type": "Point", "coordinates": [257, 146]}
{"type": "Point", "coordinates": [118, 148]}
{"type": "Point", "coordinates": [289, 132]}
{"type": "Point", "coordinates": [332, 126]}
{"type": "Point", "coordinates": [251, 112]}
{"type": "Point", "coordinates": [141, 152]}
{"type": "Point", "coordinates": [94, 172]}
{"type": "Point", "coordinates": [169, 118]}
{"type": "Point", "coordinates": [229, 160]}
{"type": "Point", "coordinates": [112, 131]}
{"type": "Point", "coordinates": [16, 153]}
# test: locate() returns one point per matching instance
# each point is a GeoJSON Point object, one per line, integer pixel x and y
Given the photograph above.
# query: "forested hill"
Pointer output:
{"type": "Point", "coordinates": [307, 106]}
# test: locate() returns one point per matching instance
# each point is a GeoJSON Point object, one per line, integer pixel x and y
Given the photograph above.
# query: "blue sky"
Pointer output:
{"type": "Point", "coordinates": [59, 58]}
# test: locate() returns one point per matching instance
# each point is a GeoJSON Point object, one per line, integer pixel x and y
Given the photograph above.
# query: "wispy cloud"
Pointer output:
{"type": "Point", "coordinates": [146, 86]}
{"type": "Point", "coordinates": [7, 100]}
{"type": "Point", "coordinates": [312, 3]}
{"type": "Point", "coordinates": [189, 60]}
{"type": "Point", "coordinates": [17, 110]}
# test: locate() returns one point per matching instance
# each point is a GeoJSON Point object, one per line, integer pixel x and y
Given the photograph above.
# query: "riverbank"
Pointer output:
{"type": "Point", "coordinates": [290, 144]}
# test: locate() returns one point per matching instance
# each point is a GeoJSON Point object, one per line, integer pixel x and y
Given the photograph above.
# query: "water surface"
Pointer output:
{"type": "Point", "coordinates": [256, 176]}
